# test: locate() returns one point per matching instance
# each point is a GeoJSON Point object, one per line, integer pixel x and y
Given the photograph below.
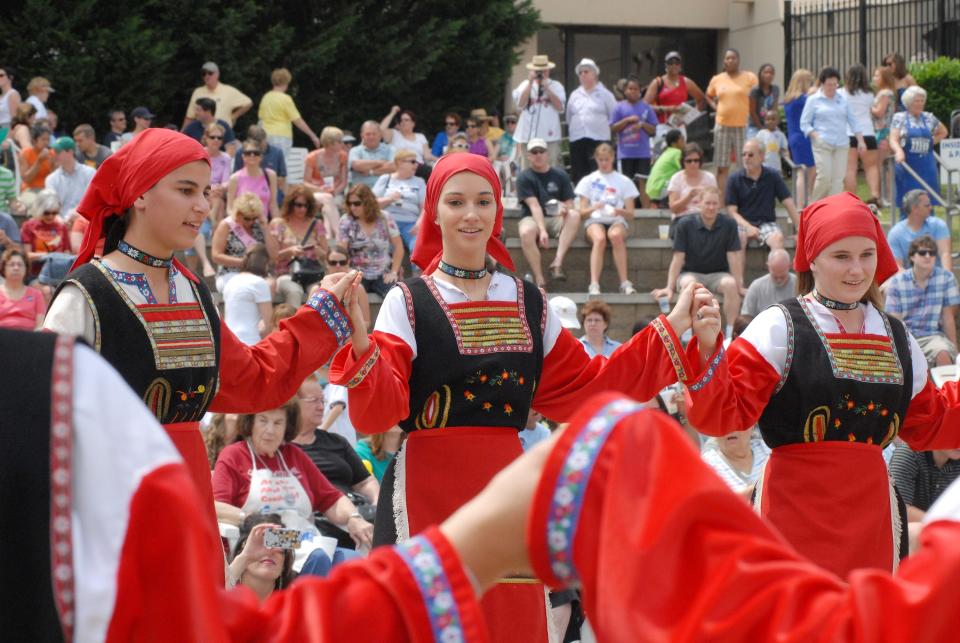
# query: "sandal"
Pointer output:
{"type": "Point", "coordinates": [556, 273]}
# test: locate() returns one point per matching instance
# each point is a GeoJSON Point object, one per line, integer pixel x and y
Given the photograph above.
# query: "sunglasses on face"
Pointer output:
{"type": "Point", "coordinates": [213, 137]}
{"type": "Point", "coordinates": [337, 262]}
{"type": "Point", "coordinates": [925, 253]}
{"type": "Point", "coordinates": [459, 146]}
{"type": "Point", "coordinates": [451, 124]}
{"type": "Point", "coordinates": [538, 151]}
{"type": "Point", "coordinates": [414, 161]}
{"type": "Point", "coordinates": [251, 152]}
{"type": "Point", "coordinates": [354, 204]}
{"type": "Point", "coordinates": [692, 160]}
{"type": "Point", "coordinates": [472, 126]}
{"type": "Point", "coordinates": [299, 204]}
{"type": "Point", "coordinates": [673, 61]}
{"type": "Point", "coordinates": [47, 213]}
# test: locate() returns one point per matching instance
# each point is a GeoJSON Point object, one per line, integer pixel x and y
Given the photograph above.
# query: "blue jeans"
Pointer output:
{"type": "Point", "coordinates": [319, 564]}
{"type": "Point", "coordinates": [408, 239]}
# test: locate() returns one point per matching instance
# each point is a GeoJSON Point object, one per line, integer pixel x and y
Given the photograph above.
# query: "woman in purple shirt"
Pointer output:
{"type": "Point", "coordinates": [477, 143]}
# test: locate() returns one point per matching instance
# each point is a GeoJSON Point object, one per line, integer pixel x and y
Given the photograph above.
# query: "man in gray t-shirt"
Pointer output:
{"type": "Point", "coordinates": [775, 286]}
{"type": "Point", "coordinates": [372, 158]}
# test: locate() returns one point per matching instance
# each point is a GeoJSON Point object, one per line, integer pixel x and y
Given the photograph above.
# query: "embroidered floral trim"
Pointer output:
{"type": "Point", "coordinates": [424, 563]}
{"type": "Point", "coordinates": [891, 372]}
{"type": "Point", "coordinates": [145, 258]}
{"type": "Point", "coordinates": [328, 307]}
{"type": "Point", "coordinates": [791, 343]}
{"type": "Point", "coordinates": [139, 280]}
{"type": "Point", "coordinates": [564, 513]}
{"type": "Point", "coordinates": [61, 461]}
{"type": "Point", "coordinates": [672, 352]}
{"type": "Point", "coordinates": [408, 300]}
{"type": "Point", "coordinates": [365, 369]}
{"type": "Point", "coordinates": [707, 375]}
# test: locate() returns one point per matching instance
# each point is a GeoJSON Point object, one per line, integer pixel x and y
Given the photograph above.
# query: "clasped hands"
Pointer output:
{"type": "Point", "coordinates": [698, 309]}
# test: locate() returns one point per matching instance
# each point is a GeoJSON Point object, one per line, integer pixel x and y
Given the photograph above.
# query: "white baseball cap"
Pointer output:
{"type": "Point", "coordinates": [537, 144]}
{"type": "Point", "coordinates": [566, 310]}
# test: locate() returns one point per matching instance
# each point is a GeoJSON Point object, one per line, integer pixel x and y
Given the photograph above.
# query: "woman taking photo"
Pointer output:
{"type": "Point", "coordinates": [253, 179]}
{"type": "Point", "coordinates": [404, 137]}
{"type": "Point", "coordinates": [21, 306]}
{"type": "Point", "coordinates": [371, 240]}
{"type": "Point", "coordinates": [801, 84]}
{"type": "Point", "coordinates": [246, 226]}
{"type": "Point", "coordinates": [265, 473]}
{"type": "Point", "coordinates": [299, 234]}
{"type": "Point", "coordinates": [913, 135]}
{"type": "Point", "coordinates": [149, 200]}
{"type": "Point", "coordinates": [606, 204]}
{"type": "Point", "coordinates": [263, 569]}
{"type": "Point", "coordinates": [457, 358]}
{"type": "Point", "coordinates": [325, 172]}
{"type": "Point", "coordinates": [825, 121]}
{"type": "Point", "coordinates": [856, 91]}
{"type": "Point", "coordinates": [832, 380]}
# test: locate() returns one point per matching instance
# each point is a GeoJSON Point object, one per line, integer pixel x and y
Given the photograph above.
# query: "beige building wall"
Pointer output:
{"type": "Point", "coordinates": [755, 27]}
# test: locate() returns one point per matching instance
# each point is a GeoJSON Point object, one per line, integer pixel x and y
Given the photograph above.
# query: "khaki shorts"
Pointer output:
{"type": "Point", "coordinates": [933, 345]}
{"type": "Point", "coordinates": [554, 224]}
{"type": "Point", "coordinates": [710, 280]}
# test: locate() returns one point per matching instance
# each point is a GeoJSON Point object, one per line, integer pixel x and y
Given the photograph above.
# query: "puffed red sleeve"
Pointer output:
{"type": "Point", "coordinates": [662, 550]}
{"type": "Point", "coordinates": [377, 381]}
{"type": "Point", "coordinates": [417, 592]}
{"type": "Point", "coordinates": [641, 367]}
{"type": "Point", "coordinates": [267, 374]}
{"type": "Point", "coordinates": [933, 419]}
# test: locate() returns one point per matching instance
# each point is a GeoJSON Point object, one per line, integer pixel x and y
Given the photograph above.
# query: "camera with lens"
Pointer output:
{"type": "Point", "coordinates": [539, 75]}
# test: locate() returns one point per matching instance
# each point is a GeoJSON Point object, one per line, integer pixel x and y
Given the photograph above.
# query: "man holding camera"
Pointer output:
{"type": "Point", "coordinates": [540, 101]}
{"type": "Point", "coordinates": [546, 199]}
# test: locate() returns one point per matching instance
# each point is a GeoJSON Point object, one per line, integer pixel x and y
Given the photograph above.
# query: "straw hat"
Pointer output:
{"type": "Point", "coordinates": [540, 62]}
{"type": "Point", "coordinates": [480, 114]}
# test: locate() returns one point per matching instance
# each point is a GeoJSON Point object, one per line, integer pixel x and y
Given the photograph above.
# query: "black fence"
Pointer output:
{"type": "Point", "coordinates": [843, 32]}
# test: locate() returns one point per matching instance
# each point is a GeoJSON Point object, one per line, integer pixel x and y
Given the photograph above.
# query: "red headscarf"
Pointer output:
{"type": "Point", "coordinates": [837, 217]}
{"type": "Point", "coordinates": [429, 246]}
{"type": "Point", "coordinates": [126, 175]}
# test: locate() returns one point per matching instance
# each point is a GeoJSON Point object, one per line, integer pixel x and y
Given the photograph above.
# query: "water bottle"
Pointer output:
{"type": "Point", "coordinates": [664, 304]}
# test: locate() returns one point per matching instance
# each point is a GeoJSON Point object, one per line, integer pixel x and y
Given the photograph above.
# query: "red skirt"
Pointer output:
{"type": "Point", "coordinates": [442, 470]}
{"type": "Point", "coordinates": [833, 501]}
{"type": "Point", "coordinates": [189, 442]}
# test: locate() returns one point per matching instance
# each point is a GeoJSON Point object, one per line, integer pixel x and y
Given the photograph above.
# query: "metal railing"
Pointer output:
{"type": "Point", "coordinates": [950, 207]}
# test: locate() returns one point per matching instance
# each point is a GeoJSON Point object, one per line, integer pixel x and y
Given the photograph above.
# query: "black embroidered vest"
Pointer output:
{"type": "Point", "coordinates": [168, 354]}
{"type": "Point", "coordinates": [846, 387]}
{"type": "Point", "coordinates": [478, 363]}
{"type": "Point", "coordinates": [29, 612]}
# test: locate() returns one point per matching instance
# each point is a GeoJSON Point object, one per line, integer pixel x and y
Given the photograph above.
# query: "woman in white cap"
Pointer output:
{"type": "Point", "coordinates": [588, 118]}
{"type": "Point", "coordinates": [539, 100]}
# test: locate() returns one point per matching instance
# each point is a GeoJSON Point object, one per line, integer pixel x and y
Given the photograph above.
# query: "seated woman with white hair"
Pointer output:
{"type": "Point", "coordinates": [913, 135]}
{"type": "Point", "coordinates": [325, 172]}
{"type": "Point", "coordinates": [46, 240]}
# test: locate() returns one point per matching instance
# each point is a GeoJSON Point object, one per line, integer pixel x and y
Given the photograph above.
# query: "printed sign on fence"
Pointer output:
{"type": "Point", "coordinates": [950, 153]}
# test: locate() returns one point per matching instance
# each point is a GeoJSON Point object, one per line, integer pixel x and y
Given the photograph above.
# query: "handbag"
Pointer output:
{"type": "Point", "coordinates": [303, 270]}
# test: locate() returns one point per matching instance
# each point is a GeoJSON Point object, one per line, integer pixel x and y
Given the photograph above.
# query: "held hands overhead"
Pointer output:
{"type": "Point", "coordinates": [344, 286]}
{"type": "Point", "coordinates": [698, 309]}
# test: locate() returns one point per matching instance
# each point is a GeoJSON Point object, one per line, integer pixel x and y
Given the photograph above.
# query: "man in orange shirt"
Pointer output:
{"type": "Point", "coordinates": [728, 94]}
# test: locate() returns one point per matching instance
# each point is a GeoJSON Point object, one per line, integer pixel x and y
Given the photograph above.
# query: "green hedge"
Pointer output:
{"type": "Point", "coordinates": [941, 79]}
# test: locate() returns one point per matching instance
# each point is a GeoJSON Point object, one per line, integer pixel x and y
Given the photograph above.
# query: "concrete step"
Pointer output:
{"type": "Point", "coordinates": [645, 224]}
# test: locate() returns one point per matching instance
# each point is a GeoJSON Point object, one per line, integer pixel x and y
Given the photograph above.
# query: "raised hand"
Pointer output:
{"type": "Point", "coordinates": [681, 316]}
{"type": "Point", "coordinates": [706, 322]}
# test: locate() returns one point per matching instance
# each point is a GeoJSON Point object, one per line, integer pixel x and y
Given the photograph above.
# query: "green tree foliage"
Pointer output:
{"type": "Point", "coordinates": [941, 79]}
{"type": "Point", "coordinates": [350, 60]}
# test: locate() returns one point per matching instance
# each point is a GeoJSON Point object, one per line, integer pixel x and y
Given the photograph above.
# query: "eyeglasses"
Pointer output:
{"type": "Point", "coordinates": [748, 154]}
{"type": "Point", "coordinates": [673, 61]}
{"type": "Point", "coordinates": [337, 262]}
{"type": "Point", "coordinates": [252, 152]}
{"type": "Point", "coordinates": [250, 217]}
{"type": "Point", "coordinates": [511, 121]}
{"type": "Point", "coordinates": [300, 204]}
{"type": "Point", "coordinates": [354, 204]}
{"type": "Point", "coordinates": [414, 161]}
{"type": "Point", "coordinates": [472, 126]}
{"type": "Point", "coordinates": [538, 151]}
{"type": "Point", "coordinates": [926, 253]}
{"type": "Point", "coordinates": [692, 160]}
{"type": "Point", "coordinates": [450, 124]}
{"type": "Point", "coordinates": [459, 146]}
{"type": "Point", "coordinates": [49, 212]}
{"type": "Point", "coordinates": [213, 137]}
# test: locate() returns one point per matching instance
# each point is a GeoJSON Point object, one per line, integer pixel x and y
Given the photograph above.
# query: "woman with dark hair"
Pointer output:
{"type": "Point", "coordinates": [300, 234]}
{"type": "Point", "coordinates": [23, 119]}
{"type": "Point", "coordinates": [265, 472]}
{"type": "Point", "coordinates": [221, 432]}
{"type": "Point", "coordinates": [687, 186]}
{"type": "Point", "coordinates": [667, 92]}
{"type": "Point", "coordinates": [9, 97]}
{"type": "Point", "coordinates": [478, 144]}
{"type": "Point", "coordinates": [902, 79]}
{"type": "Point", "coordinates": [263, 569]}
{"type": "Point", "coordinates": [156, 323]}
{"type": "Point", "coordinates": [764, 97]}
{"type": "Point", "coordinates": [825, 121]}
{"type": "Point", "coordinates": [595, 317]}
{"type": "Point", "coordinates": [403, 137]}
{"type": "Point", "coordinates": [252, 178]}
{"type": "Point", "coordinates": [832, 380]}
{"type": "Point", "coordinates": [451, 125]}
{"type": "Point", "coordinates": [458, 357]}
{"type": "Point", "coordinates": [369, 238]}
{"type": "Point", "coordinates": [859, 96]}
{"type": "Point", "coordinates": [21, 306]}
{"type": "Point", "coordinates": [36, 161]}
{"type": "Point", "coordinates": [247, 302]}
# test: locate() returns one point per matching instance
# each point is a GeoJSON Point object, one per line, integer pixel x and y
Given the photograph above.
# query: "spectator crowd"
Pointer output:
{"type": "Point", "coordinates": [588, 164]}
